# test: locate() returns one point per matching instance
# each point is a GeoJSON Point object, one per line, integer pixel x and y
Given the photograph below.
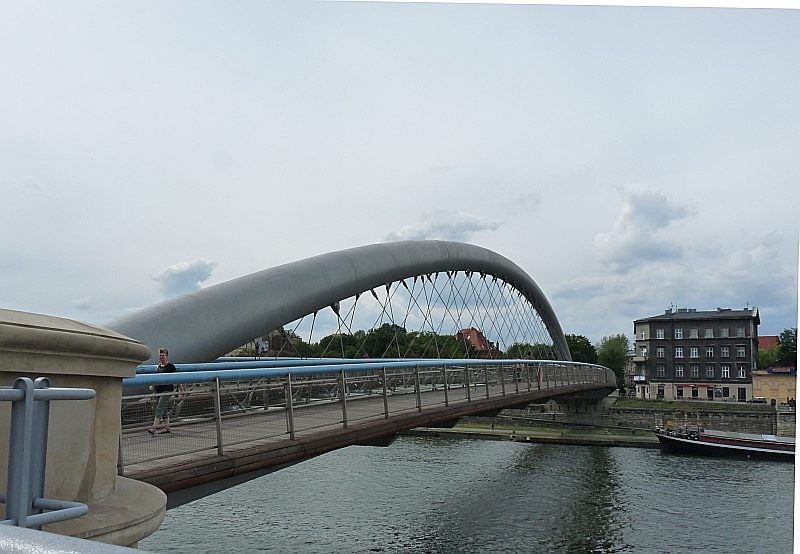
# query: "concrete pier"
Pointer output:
{"type": "Point", "coordinates": [84, 435]}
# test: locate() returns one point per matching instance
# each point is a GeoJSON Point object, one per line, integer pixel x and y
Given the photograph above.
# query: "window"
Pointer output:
{"type": "Point", "coordinates": [660, 370]}
{"type": "Point", "coordinates": [679, 370]}
{"type": "Point", "coordinates": [644, 352]}
{"type": "Point", "coordinates": [726, 371]}
{"type": "Point", "coordinates": [709, 333]}
{"type": "Point", "coordinates": [740, 332]}
{"type": "Point", "coordinates": [709, 351]}
{"type": "Point", "coordinates": [660, 352]}
{"type": "Point", "coordinates": [710, 393]}
{"type": "Point", "coordinates": [659, 333]}
{"type": "Point", "coordinates": [695, 371]}
{"type": "Point", "coordinates": [695, 392]}
{"type": "Point", "coordinates": [642, 335]}
{"type": "Point", "coordinates": [724, 351]}
{"type": "Point", "coordinates": [726, 392]}
{"type": "Point", "coordinates": [679, 392]}
{"type": "Point", "coordinates": [723, 332]}
{"type": "Point", "coordinates": [678, 333]}
{"type": "Point", "coordinates": [679, 352]}
{"type": "Point", "coordinates": [740, 352]}
{"type": "Point", "coordinates": [709, 371]}
{"type": "Point", "coordinates": [660, 393]}
{"type": "Point", "coordinates": [741, 371]}
{"type": "Point", "coordinates": [693, 333]}
{"type": "Point", "coordinates": [693, 352]}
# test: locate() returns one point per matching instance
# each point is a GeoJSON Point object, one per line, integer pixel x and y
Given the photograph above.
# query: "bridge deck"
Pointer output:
{"type": "Point", "coordinates": [259, 441]}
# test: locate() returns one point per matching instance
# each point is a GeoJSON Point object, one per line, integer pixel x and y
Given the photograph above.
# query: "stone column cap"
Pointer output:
{"type": "Point", "coordinates": [63, 346]}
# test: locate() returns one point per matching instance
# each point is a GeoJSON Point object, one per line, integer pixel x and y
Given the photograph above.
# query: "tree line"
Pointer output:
{"type": "Point", "coordinates": [387, 341]}
{"type": "Point", "coordinates": [784, 354]}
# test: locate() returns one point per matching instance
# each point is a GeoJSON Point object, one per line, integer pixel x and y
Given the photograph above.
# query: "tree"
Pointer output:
{"type": "Point", "coordinates": [582, 349]}
{"type": "Point", "coordinates": [787, 347]}
{"type": "Point", "coordinates": [767, 357]}
{"type": "Point", "coordinates": [613, 353]}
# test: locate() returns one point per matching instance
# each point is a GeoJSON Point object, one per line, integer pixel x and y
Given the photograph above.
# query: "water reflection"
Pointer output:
{"type": "Point", "coordinates": [429, 495]}
{"type": "Point", "coordinates": [596, 518]}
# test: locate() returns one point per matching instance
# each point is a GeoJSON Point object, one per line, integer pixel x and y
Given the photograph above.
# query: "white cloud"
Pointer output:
{"type": "Point", "coordinates": [84, 303]}
{"type": "Point", "coordinates": [457, 226]}
{"type": "Point", "coordinates": [637, 234]}
{"type": "Point", "coordinates": [29, 186]}
{"type": "Point", "coordinates": [184, 277]}
{"type": "Point", "coordinates": [525, 202]}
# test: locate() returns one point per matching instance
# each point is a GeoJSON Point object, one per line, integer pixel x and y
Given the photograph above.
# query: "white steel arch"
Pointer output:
{"type": "Point", "coordinates": [210, 322]}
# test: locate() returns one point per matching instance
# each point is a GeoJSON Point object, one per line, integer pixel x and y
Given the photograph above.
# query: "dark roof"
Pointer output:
{"type": "Point", "coordinates": [685, 314]}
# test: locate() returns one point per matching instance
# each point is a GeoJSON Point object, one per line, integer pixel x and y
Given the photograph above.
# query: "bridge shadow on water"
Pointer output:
{"type": "Point", "coordinates": [549, 498]}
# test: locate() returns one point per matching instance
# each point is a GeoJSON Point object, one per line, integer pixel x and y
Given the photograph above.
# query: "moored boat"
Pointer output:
{"type": "Point", "coordinates": [726, 444]}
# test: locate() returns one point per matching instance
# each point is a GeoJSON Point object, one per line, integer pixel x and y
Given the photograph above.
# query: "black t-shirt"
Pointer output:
{"type": "Point", "coordinates": [169, 368]}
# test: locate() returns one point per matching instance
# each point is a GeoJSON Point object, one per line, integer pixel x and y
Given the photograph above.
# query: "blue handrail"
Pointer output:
{"type": "Point", "coordinates": [206, 373]}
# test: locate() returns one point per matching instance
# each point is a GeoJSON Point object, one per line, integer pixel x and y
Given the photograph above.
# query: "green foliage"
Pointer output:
{"type": "Point", "coordinates": [613, 353]}
{"type": "Point", "coordinates": [582, 349]}
{"type": "Point", "coordinates": [767, 357]}
{"type": "Point", "coordinates": [536, 351]}
{"type": "Point", "coordinates": [387, 341]}
{"type": "Point", "coordinates": [787, 347]}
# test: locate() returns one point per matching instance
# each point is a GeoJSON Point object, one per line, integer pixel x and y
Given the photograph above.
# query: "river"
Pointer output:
{"type": "Point", "coordinates": [426, 494]}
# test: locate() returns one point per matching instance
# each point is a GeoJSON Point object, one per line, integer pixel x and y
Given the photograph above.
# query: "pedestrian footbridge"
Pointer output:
{"type": "Point", "coordinates": [236, 420]}
{"type": "Point", "coordinates": [362, 343]}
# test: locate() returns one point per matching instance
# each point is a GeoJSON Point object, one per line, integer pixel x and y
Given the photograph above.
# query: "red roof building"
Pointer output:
{"type": "Point", "coordinates": [767, 341]}
{"type": "Point", "coordinates": [482, 346]}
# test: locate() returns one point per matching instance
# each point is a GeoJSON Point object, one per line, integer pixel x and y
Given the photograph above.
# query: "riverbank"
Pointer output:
{"type": "Point", "coordinates": [551, 435]}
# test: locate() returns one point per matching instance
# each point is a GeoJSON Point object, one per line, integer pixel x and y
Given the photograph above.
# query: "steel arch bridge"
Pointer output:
{"type": "Point", "coordinates": [433, 287]}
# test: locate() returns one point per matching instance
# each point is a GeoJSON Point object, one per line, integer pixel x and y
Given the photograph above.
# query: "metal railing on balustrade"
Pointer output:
{"type": "Point", "coordinates": [27, 454]}
{"type": "Point", "coordinates": [219, 406]}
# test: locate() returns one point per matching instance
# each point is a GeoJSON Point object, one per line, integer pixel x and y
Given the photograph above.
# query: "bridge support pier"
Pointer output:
{"type": "Point", "coordinates": [83, 440]}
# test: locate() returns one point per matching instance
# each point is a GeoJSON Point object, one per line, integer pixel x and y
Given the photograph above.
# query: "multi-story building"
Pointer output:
{"type": "Point", "coordinates": [703, 355]}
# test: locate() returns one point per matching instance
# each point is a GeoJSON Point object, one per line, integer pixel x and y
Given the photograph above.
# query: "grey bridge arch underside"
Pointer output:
{"type": "Point", "coordinates": [212, 321]}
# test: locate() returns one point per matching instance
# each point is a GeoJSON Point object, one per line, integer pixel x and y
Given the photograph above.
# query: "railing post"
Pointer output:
{"type": "Point", "coordinates": [385, 396]}
{"type": "Point", "coordinates": [120, 460]}
{"type": "Point", "coordinates": [343, 397]}
{"type": "Point", "coordinates": [27, 454]}
{"type": "Point", "coordinates": [466, 383]}
{"type": "Point", "coordinates": [290, 405]}
{"type": "Point", "coordinates": [517, 377]}
{"type": "Point", "coordinates": [501, 370]}
{"type": "Point", "coordinates": [218, 415]}
{"type": "Point", "coordinates": [528, 375]}
{"type": "Point", "coordinates": [486, 379]}
{"type": "Point", "coordinates": [18, 491]}
{"type": "Point", "coordinates": [41, 422]}
{"type": "Point", "coordinates": [444, 376]}
{"type": "Point", "coordinates": [417, 388]}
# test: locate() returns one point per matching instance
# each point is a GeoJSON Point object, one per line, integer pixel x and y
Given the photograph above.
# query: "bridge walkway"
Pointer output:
{"type": "Point", "coordinates": [259, 438]}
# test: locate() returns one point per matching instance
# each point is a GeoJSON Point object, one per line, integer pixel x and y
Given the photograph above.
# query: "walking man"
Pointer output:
{"type": "Point", "coordinates": [162, 407]}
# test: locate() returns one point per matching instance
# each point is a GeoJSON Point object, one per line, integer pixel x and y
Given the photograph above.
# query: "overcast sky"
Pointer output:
{"type": "Point", "coordinates": [627, 158]}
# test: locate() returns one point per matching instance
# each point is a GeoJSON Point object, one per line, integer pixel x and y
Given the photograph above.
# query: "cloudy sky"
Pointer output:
{"type": "Point", "coordinates": [627, 158]}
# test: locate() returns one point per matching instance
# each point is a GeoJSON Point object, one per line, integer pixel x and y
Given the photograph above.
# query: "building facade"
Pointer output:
{"type": "Point", "coordinates": [687, 354]}
{"type": "Point", "coordinates": [778, 385]}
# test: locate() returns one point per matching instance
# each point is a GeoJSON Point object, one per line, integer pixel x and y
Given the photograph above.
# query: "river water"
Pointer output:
{"type": "Point", "coordinates": [443, 495]}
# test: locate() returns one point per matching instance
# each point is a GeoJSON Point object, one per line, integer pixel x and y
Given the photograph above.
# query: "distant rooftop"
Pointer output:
{"type": "Point", "coordinates": [691, 313]}
{"type": "Point", "coordinates": [767, 341]}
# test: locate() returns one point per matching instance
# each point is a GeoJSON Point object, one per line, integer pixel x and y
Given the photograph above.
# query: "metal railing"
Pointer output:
{"type": "Point", "coordinates": [27, 454]}
{"type": "Point", "coordinates": [218, 409]}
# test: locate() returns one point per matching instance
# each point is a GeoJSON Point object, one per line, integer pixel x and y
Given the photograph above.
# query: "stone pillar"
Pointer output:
{"type": "Point", "coordinates": [83, 441]}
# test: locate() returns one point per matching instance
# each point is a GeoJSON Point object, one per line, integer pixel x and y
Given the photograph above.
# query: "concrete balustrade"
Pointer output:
{"type": "Point", "coordinates": [84, 435]}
